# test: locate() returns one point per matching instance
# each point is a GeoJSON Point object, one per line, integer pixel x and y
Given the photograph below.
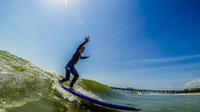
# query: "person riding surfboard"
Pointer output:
{"type": "Point", "coordinates": [70, 65]}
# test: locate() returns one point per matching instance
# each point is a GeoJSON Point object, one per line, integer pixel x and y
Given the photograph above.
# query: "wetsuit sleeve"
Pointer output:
{"type": "Point", "coordinates": [84, 57]}
{"type": "Point", "coordinates": [79, 47]}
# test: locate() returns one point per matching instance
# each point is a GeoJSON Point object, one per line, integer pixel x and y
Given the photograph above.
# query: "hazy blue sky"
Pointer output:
{"type": "Point", "coordinates": [136, 43]}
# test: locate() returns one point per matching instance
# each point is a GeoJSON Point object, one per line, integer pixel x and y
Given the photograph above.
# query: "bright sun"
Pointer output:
{"type": "Point", "coordinates": [66, 2]}
{"type": "Point", "coordinates": [61, 2]}
{"type": "Point", "coordinates": [58, 3]}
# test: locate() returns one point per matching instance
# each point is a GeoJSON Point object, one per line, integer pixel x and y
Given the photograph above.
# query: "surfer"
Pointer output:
{"type": "Point", "coordinates": [70, 65]}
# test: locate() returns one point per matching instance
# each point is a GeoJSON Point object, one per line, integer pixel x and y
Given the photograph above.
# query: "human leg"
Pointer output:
{"type": "Point", "coordinates": [75, 73]}
{"type": "Point", "coordinates": [67, 75]}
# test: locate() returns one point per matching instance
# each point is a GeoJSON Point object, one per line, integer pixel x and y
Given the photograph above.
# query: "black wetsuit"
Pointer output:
{"type": "Point", "coordinates": [70, 66]}
{"type": "Point", "coordinates": [76, 56]}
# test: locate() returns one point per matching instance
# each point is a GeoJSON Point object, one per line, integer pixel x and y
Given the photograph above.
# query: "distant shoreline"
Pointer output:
{"type": "Point", "coordinates": [192, 91]}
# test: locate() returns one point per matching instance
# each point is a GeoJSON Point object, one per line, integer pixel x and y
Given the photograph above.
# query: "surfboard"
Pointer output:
{"type": "Point", "coordinates": [100, 102]}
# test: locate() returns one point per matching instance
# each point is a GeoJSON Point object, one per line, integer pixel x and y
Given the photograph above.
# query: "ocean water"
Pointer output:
{"type": "Point", "coordinates": [26, 88]}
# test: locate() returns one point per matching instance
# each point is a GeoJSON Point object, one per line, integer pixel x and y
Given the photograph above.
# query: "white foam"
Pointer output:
{"type": "Point", "coordinates": [2, 110]}
{"type": "Point", "coordinates": [66, 95]}
{"type": "Point", "coordinates": [17, 103]}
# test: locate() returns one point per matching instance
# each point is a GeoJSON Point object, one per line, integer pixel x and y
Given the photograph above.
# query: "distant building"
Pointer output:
{"type": "Point", "coordinates": [129, 88]}
{"type": "Point", "coordinates": [192, 89]}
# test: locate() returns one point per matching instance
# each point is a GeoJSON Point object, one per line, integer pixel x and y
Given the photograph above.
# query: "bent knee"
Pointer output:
{"type": "Point", "coordinates": [76, 76]}
{"type": "Point", "coordinates": [67, 78]}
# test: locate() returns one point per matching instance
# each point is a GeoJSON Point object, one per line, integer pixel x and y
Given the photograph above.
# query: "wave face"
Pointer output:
{"type": "Point", "coordinates": [25, 87]}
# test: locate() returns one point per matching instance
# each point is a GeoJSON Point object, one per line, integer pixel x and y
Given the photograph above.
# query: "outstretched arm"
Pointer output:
{"type": "Point", "coordinates": [86, 40]}
{"type": "Point", "coordinates": [79, 47]}
{"type": "Point", "coordinates": [84, 57]}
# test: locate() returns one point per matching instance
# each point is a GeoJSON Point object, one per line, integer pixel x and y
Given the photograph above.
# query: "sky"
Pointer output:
{"type": "Point", "coordinates": [150, 44]}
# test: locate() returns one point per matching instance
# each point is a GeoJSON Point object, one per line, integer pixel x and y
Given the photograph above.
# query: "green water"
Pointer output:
{"type": "Point", "coordinates": [26, 88]}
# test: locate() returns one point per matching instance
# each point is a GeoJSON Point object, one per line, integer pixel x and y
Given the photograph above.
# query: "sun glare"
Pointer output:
{"type": "Point", "coordinates": [58, 3]}
{"type": "Point", "coordinates": [66, 2]}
